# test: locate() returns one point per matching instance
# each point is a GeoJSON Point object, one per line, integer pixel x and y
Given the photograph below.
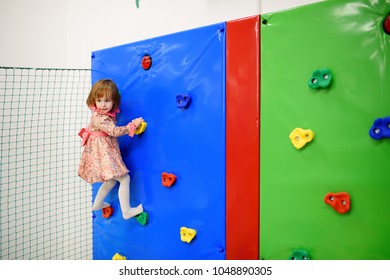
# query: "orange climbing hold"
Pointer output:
{"type": "Point", "coordinates": [168, 179]}
{"type": "Point", "coordinates": [107, 211]}
{"type": "Point", "coordinates": [341, 202]}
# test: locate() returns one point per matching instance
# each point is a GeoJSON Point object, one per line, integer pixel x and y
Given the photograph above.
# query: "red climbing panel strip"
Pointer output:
{"type": "Point", "coordinates": [242, 138]}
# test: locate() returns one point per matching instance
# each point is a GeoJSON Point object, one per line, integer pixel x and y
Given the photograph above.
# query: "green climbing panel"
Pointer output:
{"type": "Point", "coordinates": [347, 38]}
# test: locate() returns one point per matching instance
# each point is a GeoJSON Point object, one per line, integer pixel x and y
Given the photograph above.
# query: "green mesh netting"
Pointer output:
{"type": "Point", "coordinates": [44, 204]}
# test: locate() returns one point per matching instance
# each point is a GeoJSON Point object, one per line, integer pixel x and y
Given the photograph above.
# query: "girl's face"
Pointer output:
{"type": "Point", "coordinates": [104, 104]}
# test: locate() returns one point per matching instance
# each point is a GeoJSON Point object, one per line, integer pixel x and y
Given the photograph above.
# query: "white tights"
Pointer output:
{"type": "Point", "coordinates": [123, 194]}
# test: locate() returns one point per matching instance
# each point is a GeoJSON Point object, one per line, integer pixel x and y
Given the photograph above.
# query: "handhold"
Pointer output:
{"type": "Point", "coordinates": [187, 234]}
{"type": "Point", "coordinates": [300, 137]}
{"type": "Point", "coordinates": [168, 179]}
{"type": "Point", "coordinates": [183, 100]}
{"type": "Point", "coordinates": [142, 218]}
{"type": "Point", "coordinates": [380, 129]}
{"type": "Point", "coordinates": [386, 25]}
{"type": "Point", "coordinates": [340, 202]}
{"type": "Point", "coordinates": [107, 211]}
{"type": "Point", "coordinates": [118, 257]}
{"type": "Point", "coordinates": [321, 78]}
{"type": "Point", "coordinates": [299, 255]}
{"type": "Point", "coordinates": [141, 128]}
{"type": "Point", "coordinates": [146, 62]}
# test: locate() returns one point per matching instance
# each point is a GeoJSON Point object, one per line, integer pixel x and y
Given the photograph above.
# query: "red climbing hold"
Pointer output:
{"type": "Point", "coordinates": [107, 211]}
{"type": "Point", "coordinates": [167, 179]}
{"type": "Point", "coordinates": [386, 24]}
{"type": "Point", "coordinates": [146, 62]}
{"type": "Point", "coordinates": [340, 202]}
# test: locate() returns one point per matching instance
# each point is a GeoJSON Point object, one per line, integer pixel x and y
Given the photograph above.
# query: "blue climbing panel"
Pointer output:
{"type": "Point", "coordinates": [188, 142]}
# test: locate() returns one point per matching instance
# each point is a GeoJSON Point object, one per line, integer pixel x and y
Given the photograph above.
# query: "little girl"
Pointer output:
{"type": "Point", "coordinates": [101, 160]}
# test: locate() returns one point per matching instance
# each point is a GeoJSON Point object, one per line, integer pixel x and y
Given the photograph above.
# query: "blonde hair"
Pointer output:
{"type": "Point", "coordinates": [104, 88]}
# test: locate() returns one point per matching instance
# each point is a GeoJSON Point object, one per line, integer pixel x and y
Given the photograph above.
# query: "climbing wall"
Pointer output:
{"type": "Point", "coordinates": [187, 142]}
{"type": "Point", "coordinates": [324, 192]}
{"type": "Point", "coordinates": [190, 167]}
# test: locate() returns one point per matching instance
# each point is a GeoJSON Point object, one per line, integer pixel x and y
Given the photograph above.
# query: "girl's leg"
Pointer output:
{"type": "Point", "coordinates": [124, 198]}
{"type": "Point", "coordinates": [103, 191]}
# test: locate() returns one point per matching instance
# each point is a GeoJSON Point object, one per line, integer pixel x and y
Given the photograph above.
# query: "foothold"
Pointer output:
{"type": "Point", "coordinates": [146, 62]}
{"type": "Point", "coordinates": [167, 179]}
{"type": "Point", "coordinates": [187, 234]}
{"type": "Point", "coordinates": [141, 128]}
{"type": "Point", "coordinates": [299, 255]}
{"type": "Point", "coordinates": [142, 218]}
{"type": "Point", "coordinates": [340, 202]}
{"type": "Point", "coordinates": [107, 211]}
{"type": "Point", "coordinates": [183, 100]}
{"type": "Point", "coordinates": [321, 78]}
{"type": "Point", "coordinates": [118, 257]}
{"type": "Point", "coordinates": [380, 129]}
{"type": "Point", "coordinates": [386, 25]}
{"type": "Point", "coordinates": [300, 137]}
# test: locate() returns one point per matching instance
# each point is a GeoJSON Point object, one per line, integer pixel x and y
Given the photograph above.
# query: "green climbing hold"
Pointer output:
{"type": "Point", "coordinates": [142, 218]}
{"type": "Point", "coordinates": [299, 255]}
{"type": "Point", "coordinates": [137, 3]}
{"type": "Point", "coordinates": [320, 79]}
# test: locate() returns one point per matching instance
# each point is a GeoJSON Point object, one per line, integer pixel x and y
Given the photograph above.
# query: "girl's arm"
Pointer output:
{"type": "Point", "coordinates": [105, 124]}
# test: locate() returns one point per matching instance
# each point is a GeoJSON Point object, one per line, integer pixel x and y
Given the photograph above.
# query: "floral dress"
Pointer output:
{"type": "Point", "coordinates": [101, 159]}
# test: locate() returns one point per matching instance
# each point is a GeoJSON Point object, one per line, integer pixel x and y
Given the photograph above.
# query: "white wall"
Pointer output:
{"type": "Point", "coordinates": [268, 6]}
{"type": "Point", "coordinates": [63, 33]}
{"type": "Point", "coordinates": [33, 33]}
{"type": "Point", "coordinates": [102, 23]}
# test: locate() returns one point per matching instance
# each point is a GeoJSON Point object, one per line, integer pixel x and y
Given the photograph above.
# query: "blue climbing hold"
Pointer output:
{"type": "Point", "coordinates": [380, 129]}
{"type": "Point", "coordinates": [183, 100]}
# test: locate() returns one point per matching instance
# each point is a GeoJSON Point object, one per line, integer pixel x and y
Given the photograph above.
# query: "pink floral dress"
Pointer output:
{"type": "Point", "coordinates": [101, 159]}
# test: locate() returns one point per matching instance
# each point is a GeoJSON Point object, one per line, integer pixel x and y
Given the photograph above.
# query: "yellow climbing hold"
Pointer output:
{"type": "Point", "coordinates": [187, 234]}
{"type": "Point", "coordinates": [118, 257]}
{"type": "Point", "coordinates": [300, 137]}
{"type": "Point", "coordinates": [141, 128]}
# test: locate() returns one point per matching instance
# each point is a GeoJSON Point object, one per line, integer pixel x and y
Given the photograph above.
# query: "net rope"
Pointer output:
{"type": "Point", "coordinates": [45, 207]}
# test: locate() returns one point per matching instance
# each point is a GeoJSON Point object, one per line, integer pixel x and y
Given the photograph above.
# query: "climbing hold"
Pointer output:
{"type": "Point", "coordinates": [183, 100]}
{"type": "Point", "coordinates": [142, 218]}
{"type": "Point", "coordinates": [118, 257]}
{"type": "Point", "coordinates": [107, 211]}
{"type": "Point", "coordinates": [380, 129]}
{"type": "Point", "coordinates": [299, 255]}
{"type": "Point", "coordinates": [300, 137]}
{"type": "Point", "coordinates": [320, 79]}
{"type": "Point", "coordinates": [146, 62]}
{"type": "Point", "coordinates": [141, 128]}
{"type": "Point", "coordinates": [340, 202]}
{"type": "Point", "coordinates": [187, 234]}
{"type": "Point", "coordinates": [168, 179]}
{"type": "Point", "coordinates": [386, 24]}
